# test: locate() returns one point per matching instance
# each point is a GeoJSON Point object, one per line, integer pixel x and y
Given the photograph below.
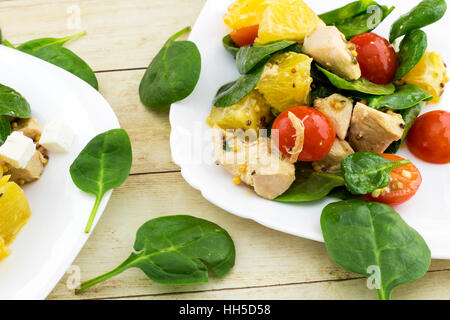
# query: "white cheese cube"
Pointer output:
{"type": "Point", "coordinates": [17, 150]}
{"type": "Point", "coordinates": [57, 137]}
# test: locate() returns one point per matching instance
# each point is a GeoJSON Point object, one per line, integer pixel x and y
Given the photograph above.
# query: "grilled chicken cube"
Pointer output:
{"type": "Point", "coordinates": [29, 127]}
{"type": "Point", "coordinates": [332, 162]}
{"type": "Point", "coordinates": [254, 161]}
{"type": "Point", "coordinates": [328, 46]}
{"type": "Point", "coordinates": [31, 172]}
{"type": "Point", "coordinates": [373, 130]}
{"type": "Point", "coordinates": [339, 110]}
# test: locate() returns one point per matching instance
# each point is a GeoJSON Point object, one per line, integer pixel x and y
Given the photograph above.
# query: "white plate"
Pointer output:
{"type": "Point", "coordinates": [428, 212]}
{"type": "Point", "coordinates": [54, 235]}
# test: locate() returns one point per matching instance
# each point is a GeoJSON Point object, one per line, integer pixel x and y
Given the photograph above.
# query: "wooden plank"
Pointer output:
{"type": "Point", "coordinates": [149, 130]}
{"type": "Point", "coordinates": [434, 286]}
{"type": "Point", "coordinates": [121, 34]}
{"type": "Point", "coordinates": [264, 257]}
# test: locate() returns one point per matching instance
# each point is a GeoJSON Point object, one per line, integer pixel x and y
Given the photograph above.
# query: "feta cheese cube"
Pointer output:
{"type": "Point", "coordinates": [17, 150]}
{"type": "Point", "coordinates": [57, 137]}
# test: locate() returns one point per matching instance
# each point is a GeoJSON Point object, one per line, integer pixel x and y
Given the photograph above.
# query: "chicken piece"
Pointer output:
{"type": "Point", "coordinates": [339, 110]}
{"type": "Point", "coordinates": [255, 162]}
{"type": "Point", "coordinates": [29, 127]}
{"type": "Point", "coordinates": [328, 46]}
{"type": "Point", "coordinates": [373, 130]}
{"type": "Point", "coordinates": [332, 162]}
{"type": "Point", "coordinates": [31, 172]}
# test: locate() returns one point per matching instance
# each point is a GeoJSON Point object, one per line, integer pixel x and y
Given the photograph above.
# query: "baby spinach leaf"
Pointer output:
{"type": "Point", "coordinates": [365, 172]}
{"type": "Point", "coordinates": [412, 49]}
{"type": "Point", "coordinates": [173, 73]}
{"type": "Point", "coordinates": [372, 240]}
{"type": "Point", "coordinates": [365, 22]}
{"type": "Point", "coordinates": [310, 185]}
{"type": "Point", "coordinates": [249, 56]}
{"type": "Point", "coordinates": [425, 13]}
{"type": "Point", "coordinates": [233, 92]}
{"type": "Point", "coordinates": [229, 45]}
{"type": "Point", "coordinates": [405, 97]}
{"type": "Point", "coordinates": [348, 11]}
{"type": "Point", "coordinates": [67, 60]}
{"type": "Point", "coordinates": [409, 116]}
{"type": "Point", "coordinates": [102, 165]}
{"type": "Point", "coordinates": [177, 250]}
{"type": "Point", "coordinates": [5, 129]}
{"type": "Point", "coordinates": [34, 45]}
{"type": "Point", "coordinates": [341, 193]}
{"type": "Point", "coordinates": [13, 104]}
{"type": "Point", "coordinates": [360, 85]}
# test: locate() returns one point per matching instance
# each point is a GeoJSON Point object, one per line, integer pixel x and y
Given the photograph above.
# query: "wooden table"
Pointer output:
{"type": "Point", "coordinates": [123, 36]}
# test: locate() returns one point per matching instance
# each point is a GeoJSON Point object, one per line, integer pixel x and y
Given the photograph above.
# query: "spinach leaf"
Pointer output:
{"type": "Point", "coordinates": [173, 73]}
{"type": "Point", "coordinates": [310, 185]}
{"type": "Point", "coordinates": [5, 129]}
{"type": "Point", "coordinates": [34, 45]}
{"type": "Point", "coordinates": [360, 85]}
{"type": "Point", "coordinates": [348, 11]}
{"type": "Point", "coordinates": [405, 97]}
{"type": "Point", "coordinates": [412, 49]}
{"type": "Point", "coordinates": [67, 60]}
{"type": "Point", "coordinates": [341, 193]}
{"type": "Point", "coordinates": [425, 13]}
{"type": "Point", "coordinates": [52, 51]}
{"type": "Point", "coordinates": [102, 165]}
{"type": "Point", "coordinates": [365, 22]}
{"type": "Point", "coordinates": [365, 172]}
{"type": "Point", "coordinates": [372, 240]}
{"type": "Point", "coordinates": [177, 250]}
{"type": "Point", "coordinates": [13, 104]}
{"type": "Point", "coordinates": [409, 116]}
{"type": "Point", "coordinates": [321, 91]}
{"type": "Point", "coordinates": [233, 92]}
{"type": "Point", "coordinates": [229, 45]}
{"type": "Point", "coordinates": [249, 56]}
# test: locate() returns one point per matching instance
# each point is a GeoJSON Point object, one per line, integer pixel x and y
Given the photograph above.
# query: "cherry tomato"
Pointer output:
{"type": "Point", "coordinates": [245, 36]}
{"type": "Point", "coordinates": [319, 133]}
{"type": "Point", "coordinates": [429, 137]}
{"type": "Point", "coordinates": [405, 181]}
{"type": "Point", "coordinates": [376, 57]}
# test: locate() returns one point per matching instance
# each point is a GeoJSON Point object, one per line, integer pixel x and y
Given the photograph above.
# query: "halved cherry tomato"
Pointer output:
{"type": "Point", "coordinates": [429, 137]}
{"type": "Point", "coordinates": [376, 57]}
{"type": "Point", "coordinates": [319, 133]}
{"type": "Point", "coordinates": [405, 181]}
{"type": "Point", "coordinates": [245, 36]}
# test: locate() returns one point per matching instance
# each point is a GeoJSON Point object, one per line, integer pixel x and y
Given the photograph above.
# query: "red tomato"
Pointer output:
{"type": "Point", "coordinates": [376, 57]}
{"type": "Point", "coordinates": [405, 181]}
{"type": "Point", "coordinates": [429, 137]}
{"type": "Point", "coordinates": [245, 36]}
{"type": "Point", "coordinates": [319, 133]}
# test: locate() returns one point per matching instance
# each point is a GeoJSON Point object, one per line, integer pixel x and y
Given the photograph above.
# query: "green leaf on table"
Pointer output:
{"type": "Point", "coordinates": [173, 73]}
{"type": "Point", "coordinates": [233, 92]}
{"type": "Point", "coordinates": [310, 185]}
{"type": "Point", "coordinates": [405, 97]}
{"type": "Point", "coordinates": [5, 129]}
{"type": "Point", "coordinates": [177, 250]}
{"type": "Point", "coordinates": [249, 56]}
{"type": "Point", "coordinates": [412, 48]}
{"type": "Point", "coordinates": [365, 172]}
{"type": "Point", "coordinates": [360, 85]}
{"type": "Point", "coordinates": [52, 51]}
{"type": "Point", "coordinates": [409, 116]}
{"type": "Point", "coordinates": [13, 104]}
{"type": "Point", "coordinates": [424, 14]}
{"type": "Point", "coordinates": [229, 45]}
{"type": "Point", "coordinates": [371, 239]}
{"type": "Point", "coordinates": [102, 165]}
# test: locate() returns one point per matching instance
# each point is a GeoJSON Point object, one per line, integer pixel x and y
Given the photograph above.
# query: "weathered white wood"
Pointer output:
{"type": "Point", "coordinates": [121, 33]}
